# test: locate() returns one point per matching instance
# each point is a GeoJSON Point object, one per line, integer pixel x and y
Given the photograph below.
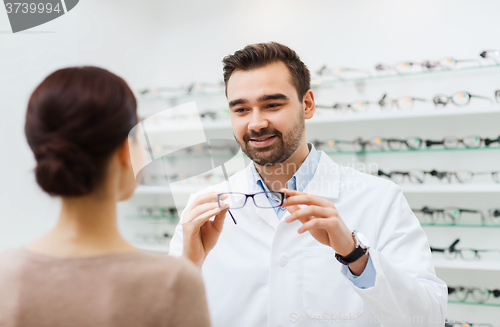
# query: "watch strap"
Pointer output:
{"type": "Point", "coordinates": [351, 257]}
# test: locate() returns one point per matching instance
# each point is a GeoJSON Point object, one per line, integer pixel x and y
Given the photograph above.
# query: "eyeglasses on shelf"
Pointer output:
{"type": "Point", "coordinates": [465, 324]}
{"type": "Point", "coordinates": [238, 200]}
{"type": "Point", "coordinates": [343, 72]}
{"type": "Point", "coordinates": [402, 103]}
{"type": "Point", "coordinates": [461, 98]}
{"type": "Point", "coordinates": [417, 176]}
{"type": "Point", "coordinates": [359, 106]}
{"type": "Point", "coordinates": [478, 294]}
{"type": "Point", "coordinates": [450, 215]}
{"type": "Point", "coordinates": [453, 142]}
{"type": "Point", "coordinates": [491, 54]}
{"type": "Point", "coordinates": [468, 254]}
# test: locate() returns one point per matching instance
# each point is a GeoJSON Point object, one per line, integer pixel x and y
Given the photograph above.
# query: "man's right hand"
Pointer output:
{"type": "Point", "coordinates": [200, 234]}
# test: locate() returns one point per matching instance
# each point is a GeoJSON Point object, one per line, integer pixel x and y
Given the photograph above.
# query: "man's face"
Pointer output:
{"type": "Point", "coordinates": [266, 114]}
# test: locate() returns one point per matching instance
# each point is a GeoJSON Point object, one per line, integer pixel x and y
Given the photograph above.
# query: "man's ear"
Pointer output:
{"type": "Point", "coordinates": [309, 106]}
{"type": "Point", "coordinates": [123, 153]}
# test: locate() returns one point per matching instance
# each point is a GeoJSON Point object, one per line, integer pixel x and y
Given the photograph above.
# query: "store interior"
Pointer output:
{"type": "Point", "coordinates": [407, 91]}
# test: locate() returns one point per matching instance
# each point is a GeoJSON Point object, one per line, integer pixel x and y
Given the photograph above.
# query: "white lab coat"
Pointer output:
{"type": "Point", "coordinates": [263, 273]}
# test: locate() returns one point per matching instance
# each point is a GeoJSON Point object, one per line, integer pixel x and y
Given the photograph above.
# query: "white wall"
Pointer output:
{"type": "Point", "coordinates": [153, 43]}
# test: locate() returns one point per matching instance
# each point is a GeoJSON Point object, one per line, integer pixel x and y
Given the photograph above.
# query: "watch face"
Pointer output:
{"type": "Point", "coordinates": [362, 239]}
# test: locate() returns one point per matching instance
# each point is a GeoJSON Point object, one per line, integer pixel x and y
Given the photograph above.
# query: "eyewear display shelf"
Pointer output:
{"type": "Point", "coordinates": [427, 121]}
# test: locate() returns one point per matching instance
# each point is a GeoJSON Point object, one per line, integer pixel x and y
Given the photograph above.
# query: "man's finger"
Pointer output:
{"type": "Point", "coordinates": [308, 200]}
{"type": "Point", "coordinates": [204, 217]}
{"type": "Point", "coordinates": [218, 222]}
{"type": "Point", "coordinates": [205, 198]}
{"type": "Point", "coordinates": [303, 214]}
{"type": "Point", "coordinates": [198, 210]}
{"type": "Point", "coordinates": [317, 223]}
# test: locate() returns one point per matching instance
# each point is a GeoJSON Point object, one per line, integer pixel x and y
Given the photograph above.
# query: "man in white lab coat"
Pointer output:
{"type": "Point", "coordinates": [344, 249]}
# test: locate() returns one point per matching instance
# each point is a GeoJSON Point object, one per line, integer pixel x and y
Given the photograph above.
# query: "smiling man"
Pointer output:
{"type": "Point", "coordinates": [343, 248]}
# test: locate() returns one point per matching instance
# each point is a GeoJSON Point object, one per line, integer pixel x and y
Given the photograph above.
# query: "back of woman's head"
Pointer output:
{"type": "Point", "coordinates": [76, 119]}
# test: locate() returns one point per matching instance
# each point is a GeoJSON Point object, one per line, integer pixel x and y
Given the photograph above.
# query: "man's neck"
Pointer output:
{"type": "Point", "coordinates": [275, 177]}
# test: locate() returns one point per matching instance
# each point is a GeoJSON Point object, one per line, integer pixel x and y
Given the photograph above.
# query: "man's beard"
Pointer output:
{"type": "Point", "coordinates": [279, 151]}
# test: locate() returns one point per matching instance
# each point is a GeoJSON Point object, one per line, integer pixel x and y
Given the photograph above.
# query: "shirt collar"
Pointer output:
{"type": "Point", "coordinates": [302, 176]}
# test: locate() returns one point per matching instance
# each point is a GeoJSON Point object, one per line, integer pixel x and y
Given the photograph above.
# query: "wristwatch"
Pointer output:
{"type": "Point", "coordinates": [362, 246]}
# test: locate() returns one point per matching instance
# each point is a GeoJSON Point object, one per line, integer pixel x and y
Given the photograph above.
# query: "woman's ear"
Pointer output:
{"type": "Point", "coordinates": [123, 153]}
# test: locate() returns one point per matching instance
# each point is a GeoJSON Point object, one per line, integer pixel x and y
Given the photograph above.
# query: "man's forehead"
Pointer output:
{"type": "Point", "coordinates": [255, 83]}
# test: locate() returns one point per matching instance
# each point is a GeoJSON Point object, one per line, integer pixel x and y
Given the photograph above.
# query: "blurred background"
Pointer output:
{"type": "Point", "coordinates": [377, 67]}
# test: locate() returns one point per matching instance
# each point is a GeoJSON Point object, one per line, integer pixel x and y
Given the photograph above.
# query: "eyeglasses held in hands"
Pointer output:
{"type": "Point", "coordinates": [238, 200]}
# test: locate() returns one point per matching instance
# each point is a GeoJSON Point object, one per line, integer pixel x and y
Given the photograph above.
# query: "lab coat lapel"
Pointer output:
{"type": "Point", "coordinates": [326, 180]}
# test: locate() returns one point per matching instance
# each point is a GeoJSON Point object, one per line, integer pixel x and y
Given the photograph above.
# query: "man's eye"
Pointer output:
{"type": "Point", "coordinates": [240, 110]}
{"type": "Point", "coordinates": [274, 105]}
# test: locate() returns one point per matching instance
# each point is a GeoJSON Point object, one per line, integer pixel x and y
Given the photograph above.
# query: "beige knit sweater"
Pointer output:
{"type": "Point", "coordinates": [133, 289]}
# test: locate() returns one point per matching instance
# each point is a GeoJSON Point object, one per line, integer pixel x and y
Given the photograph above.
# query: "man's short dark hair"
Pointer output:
{"type": "Point", "coordinates": [258, 55]}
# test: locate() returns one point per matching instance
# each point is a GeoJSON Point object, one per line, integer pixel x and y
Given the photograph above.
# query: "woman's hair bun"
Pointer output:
{"type": "Point", "coordinates": [63, 168]}
{"type": "Point", "coordinates": [76, 119]}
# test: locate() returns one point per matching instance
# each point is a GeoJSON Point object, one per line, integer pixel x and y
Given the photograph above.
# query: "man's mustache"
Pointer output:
{"type": "Point", "coordinates": [247, 137]}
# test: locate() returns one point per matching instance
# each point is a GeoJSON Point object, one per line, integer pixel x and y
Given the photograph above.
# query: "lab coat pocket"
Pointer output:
{"type": "Point", "coordinates": [326, 292]}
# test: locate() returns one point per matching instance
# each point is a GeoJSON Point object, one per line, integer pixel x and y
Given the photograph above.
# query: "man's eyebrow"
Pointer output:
{"type": "Point", "coordinates": [267, 97]}
{"type": "Point", "coordinates": [277, 96]}
{"type": "Point", "coordinates": [236, 102]}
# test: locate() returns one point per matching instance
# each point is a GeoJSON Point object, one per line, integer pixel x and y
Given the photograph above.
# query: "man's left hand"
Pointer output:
{"type": "Point", "coordinates": [322, 220]}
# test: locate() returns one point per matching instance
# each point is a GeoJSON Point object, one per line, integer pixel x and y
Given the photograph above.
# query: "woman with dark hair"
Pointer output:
{"type": "Point", "coordinates": [82, 272]}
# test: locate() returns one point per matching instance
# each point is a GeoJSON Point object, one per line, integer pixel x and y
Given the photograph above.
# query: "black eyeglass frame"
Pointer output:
{"type": "Point", "coordinates": [282, 197]}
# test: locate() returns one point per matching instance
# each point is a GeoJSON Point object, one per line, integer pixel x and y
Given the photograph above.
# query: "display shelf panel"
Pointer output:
{"type": "Point", "coordinates": [475, 303]}
{"type": "Point", "coordinates": [466, 265]}
{"type": "Point", "coordinates": [451, 188]}
{"type": "Point", "coordinates": [460, 225]}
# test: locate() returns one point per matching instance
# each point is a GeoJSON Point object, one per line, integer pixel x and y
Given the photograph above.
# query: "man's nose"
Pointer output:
{"type": "Point", "coordinates": [258, 121]}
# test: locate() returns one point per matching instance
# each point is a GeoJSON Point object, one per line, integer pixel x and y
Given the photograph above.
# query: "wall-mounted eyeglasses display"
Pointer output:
{"type": "Point", "coordinates": [180, 90]}
{"type": "Point", "coordinates": [491, 54]}
{"type": "Point", "coordinates": [417, 176]}
{"type": "Point", "coordinates": [461, 98]}
{"type": "Point", "coordinates": [447, 63]}
{"type": "Point", "coordinates": [151, 238]}
{"type": "Point", "coordinates": [478, 294]}
{"type": "Point", "coordinates": [453, 142]}
{"type": "Point", "coordinates": [158, 212]}
{"type": "Point", "coordinates": [407, 66]}
{"type": "Point", "coordinates": [465, 253]}
{"type": "Point", "coordinates": [360, 106]}
{"type": "Point", "coordinates": [465, 324]}
{"type": "Point", "coordinates": [397, 144]}
{"type": "Point", "coordinates": [235, 200]}
{"type": "Point", "coordinates": [198, 149]}
{"type": "Point", "coordinates": [447, 215]}
{"type": "Point", "coordinates": [385, 103]}
{"type": "Point", "coordinates": [209, 115]}
{"type": "Point", "coordinates": [497, 96]}
{"type": "Point", "coordinates": [401, 103]}
{"type": "Point", "coordinates": [343, 72]}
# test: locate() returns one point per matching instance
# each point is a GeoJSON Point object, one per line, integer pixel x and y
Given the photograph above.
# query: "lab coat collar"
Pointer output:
{"type": "Point", "coordinates": [325, 184]}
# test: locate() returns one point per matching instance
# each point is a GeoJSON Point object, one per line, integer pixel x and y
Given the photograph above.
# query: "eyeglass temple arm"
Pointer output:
{"type": "Point", "coordinates": [232, 216]}
{"type": "Point", "coordinates": [452, 246]}
{"type": "Point", "coordinates": [227, 180]}
{"type": "Point", "coordinates": [430, 143]}
{"type": "Point", "coordinates": [420, 99]}
{"type": "Point", "coordinates": [437, 250]}
{"type": "Point", "coordinates": [482, 97]}
{"type": "Point", "coordinates": [487, 142]}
